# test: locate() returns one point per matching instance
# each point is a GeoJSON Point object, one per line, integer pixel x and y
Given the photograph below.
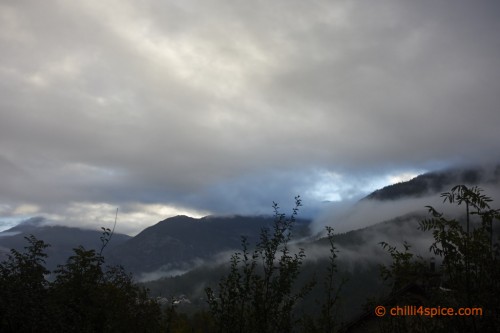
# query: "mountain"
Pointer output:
{"type": "Point", "coordinates": [360, 252]}
{"type": "Point", "coordinates": [436, 182]}
{"type": "Point", "coordinates": [193, 247]}
{"type": "Point", "coordinates": [181, 241]}
{"type": "Point", "coordinates": [180, 256]}
{"type": "Point", "coordinates": [62, 239]}
{"type": "Point", "coordinates": [359, 257]}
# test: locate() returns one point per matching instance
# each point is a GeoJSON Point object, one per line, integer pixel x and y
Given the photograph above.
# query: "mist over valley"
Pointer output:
{"type": "Point", "coordinates": [179, 257]}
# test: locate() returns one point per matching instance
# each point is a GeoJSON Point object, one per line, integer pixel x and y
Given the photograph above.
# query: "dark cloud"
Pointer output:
{"type": "Point", "coordinates": [222, 106]}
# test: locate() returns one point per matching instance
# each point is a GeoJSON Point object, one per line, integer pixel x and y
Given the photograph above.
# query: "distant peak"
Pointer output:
{"type": "Point", "coordinates": [435, 182]}
{"type": "Point", "coordinates": [33, 222]}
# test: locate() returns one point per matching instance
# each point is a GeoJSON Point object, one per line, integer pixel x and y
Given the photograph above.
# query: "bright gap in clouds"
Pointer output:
{"type": "Point", "coordinates": [325, 186]}
{"type": "Point", "coordinates": [10, 216]}
{"type": "Point", "coordinates": [132, 218]}
{"type": "Point", "coordinates": [403, 177]}
{"type": "Point", "coordinates": [7, 222]}
{"type": "Point", "coordinates": [335, 187]}
{"type": "Point", "coordinates": [328, 187]}
{"type": "Point", "coordinates": [391, 179]}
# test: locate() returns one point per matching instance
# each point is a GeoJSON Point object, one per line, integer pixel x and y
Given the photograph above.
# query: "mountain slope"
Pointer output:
{"type": "Point", "coordinates": [436, 182]}
{"type": "Point", "coordinates": [360, 251]}
{"type": "Point", "coordinates": [62, 239]}
{"type": "Point", "coordinates": [181, 240]}
{"type": "Point", "coordinates": [359, 255]}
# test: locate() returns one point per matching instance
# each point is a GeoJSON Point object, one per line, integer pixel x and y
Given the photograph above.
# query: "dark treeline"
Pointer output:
{"type": "Point", "coordinates": [81, 296]}
{"type": "Point", "coordinates": [264, 288]}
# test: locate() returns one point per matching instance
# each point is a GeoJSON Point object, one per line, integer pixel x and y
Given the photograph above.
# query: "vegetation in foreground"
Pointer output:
{"type": "Point", "coordinates": [469, 271]}
{"type": "Point", "coordinates": [263, 290]}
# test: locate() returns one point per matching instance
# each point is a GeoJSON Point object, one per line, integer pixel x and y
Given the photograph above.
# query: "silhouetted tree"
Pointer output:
{"type": "Point", "coordinates": [332, 288]}
{"type": "Point", "coordinates": [84, 296]}
{"type": "Point", "coordinates": [470, 269]}
{"type": "Point", "coordinates": [258, 294]}
{"type": "Point", "coordinates": [23, 289]}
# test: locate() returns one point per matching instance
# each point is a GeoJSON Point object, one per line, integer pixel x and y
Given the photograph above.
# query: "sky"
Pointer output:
{"type": "Point", "coordinates": [160, 108]}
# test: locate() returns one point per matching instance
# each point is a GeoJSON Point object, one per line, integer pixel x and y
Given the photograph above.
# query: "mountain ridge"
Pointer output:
{"type": "Point", "coordinates": [181, 240]}
{"type": "Point", "coordinates": [436, 182]}
{"type": "Point", "coordinates": [62, 239]}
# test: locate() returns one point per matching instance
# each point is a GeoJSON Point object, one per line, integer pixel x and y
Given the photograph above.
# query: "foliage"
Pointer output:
{"type": "Point", "coordinates": [83, 297]}
{"type": "Point", "coordinates": [23, 289]}
{"type": "Point", "coordinates": [327, 320]}
{"type": "Point", "coordinates": [107, 234]}
{"type": "Point", "coordinates": [258, 294]}
{"type": "Point", "coordinates": [470, 269]}
{"type": "Point", "coordinates": [405, 267]}
{"type": "Point", "coordinates": [96, 299]}
{"type": "Point", "coordinates": [177, 322]}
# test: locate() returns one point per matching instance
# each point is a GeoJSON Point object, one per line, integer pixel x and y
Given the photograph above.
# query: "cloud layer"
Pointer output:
{"type": "Point", "coordinates": [225, 106]}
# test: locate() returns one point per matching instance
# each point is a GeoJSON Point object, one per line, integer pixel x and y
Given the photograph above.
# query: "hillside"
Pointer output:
{"type": "Point", "coordinates": [177, 243]}
{"type": "Point", "coordinates": [436, 182]}
{"type": "Point", "coordinates": [62, 239]}
{"type": "Point", "coordinates": [180, 256]}
{"type": "Point", "coordinates": [359, 257]}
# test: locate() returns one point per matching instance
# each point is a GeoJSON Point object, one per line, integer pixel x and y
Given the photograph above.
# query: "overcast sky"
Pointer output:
{"type": "Point", "coordinates": [162, 107]}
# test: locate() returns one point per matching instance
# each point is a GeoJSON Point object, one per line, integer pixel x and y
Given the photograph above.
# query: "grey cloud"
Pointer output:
{"type": "Point", "coordinates": [345, 216]}
{"type": "Point", "coordinates": [227, 105]}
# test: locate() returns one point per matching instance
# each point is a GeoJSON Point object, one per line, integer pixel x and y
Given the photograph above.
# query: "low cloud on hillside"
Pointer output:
{"type": "Point", "coordinates": [345, 216]}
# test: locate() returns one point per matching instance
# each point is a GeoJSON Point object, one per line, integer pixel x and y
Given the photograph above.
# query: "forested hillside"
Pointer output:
{"type": "Point", "coordinates": [278, 283]}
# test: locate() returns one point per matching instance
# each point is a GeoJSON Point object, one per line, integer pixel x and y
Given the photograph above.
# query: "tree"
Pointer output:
{"type": "Point", "coordinates": [328, 316]}
{"type": "Point", "coordinates": [90, 298]}
{"type": "Point", "coordinates": [405, 268]}
{"type": "Point", "coordinates": [470, 269]}
{"type": "Point", "coordinates": [85, 296]}
{"type": "Point", "coordinates": [23, 289]}
{"type": "Point", "coordinates": [470, 255]}
{"type": "Point", "coordinates": [259, 293]}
